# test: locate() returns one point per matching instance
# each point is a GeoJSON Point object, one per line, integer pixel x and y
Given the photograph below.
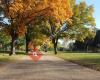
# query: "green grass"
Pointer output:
{"type": "Point", "coordinates": [4, 57]}
{"type": "Point", "coordinates": [90, 60]}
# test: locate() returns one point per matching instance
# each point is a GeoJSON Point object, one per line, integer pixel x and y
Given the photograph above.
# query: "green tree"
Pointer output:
{"type": "Point", "coordinates": [4, 40]}
{"type": "Point", "coordinates": [52, 30]}
{"type": "Point", "coordinates": [83, 22]}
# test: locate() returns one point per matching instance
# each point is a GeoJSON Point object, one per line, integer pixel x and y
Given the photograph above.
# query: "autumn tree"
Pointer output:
{"type": "Point", "coordinates": [20, 13]}
{"type": "Point", "coordinates": [81, 19]}
{"type": "Point", "coordinates": [61, 13]}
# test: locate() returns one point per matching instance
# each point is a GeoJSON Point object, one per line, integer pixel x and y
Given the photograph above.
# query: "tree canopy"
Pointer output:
{"type": "Point", "coordinates": [40, 20]}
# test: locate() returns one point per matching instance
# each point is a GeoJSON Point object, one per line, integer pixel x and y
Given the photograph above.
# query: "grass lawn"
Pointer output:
{"type": "Point", "coordinates": [90, 60]}
{"type": "Point", "coordinates": [4, 57]}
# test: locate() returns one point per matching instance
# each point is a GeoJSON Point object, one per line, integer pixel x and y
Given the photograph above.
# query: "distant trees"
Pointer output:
{"type": "Point", "coordinates": [92, 44]}
{"type": "Point", "coordinates": [97, 39]}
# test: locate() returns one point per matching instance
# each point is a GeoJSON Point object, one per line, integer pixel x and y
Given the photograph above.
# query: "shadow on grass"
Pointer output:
{"type": "Point", "coordinates": [85, 59]}
{"type": "Point", "coordinates": [89, 63]}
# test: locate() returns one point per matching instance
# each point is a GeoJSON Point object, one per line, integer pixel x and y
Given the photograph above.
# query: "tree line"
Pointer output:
{"type": "Point", "coordinates": [45, 21]}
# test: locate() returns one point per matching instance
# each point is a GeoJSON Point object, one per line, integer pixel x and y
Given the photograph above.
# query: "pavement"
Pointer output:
{"type": "Point", "coordinates": [47, 68]}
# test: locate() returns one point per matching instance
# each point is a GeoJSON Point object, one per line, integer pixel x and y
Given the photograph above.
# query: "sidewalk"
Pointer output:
{"type": "Point", "coordinates": [48, 68]}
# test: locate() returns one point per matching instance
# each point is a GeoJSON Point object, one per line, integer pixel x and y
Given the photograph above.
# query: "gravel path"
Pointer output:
{"type": "Point", "coordinates": [48, 68]}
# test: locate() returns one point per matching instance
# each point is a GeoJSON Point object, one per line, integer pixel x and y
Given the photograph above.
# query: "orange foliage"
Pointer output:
{"type": "Point", "coordinates": [60, 9]}
{"type": "Point", "coordinates": [21, 29]}
{"type": "Point", "coordinates": [24, 11]}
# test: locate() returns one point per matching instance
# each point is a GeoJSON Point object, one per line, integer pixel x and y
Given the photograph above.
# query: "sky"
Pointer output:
{"type": "Point", "coordinates": [96, 4]}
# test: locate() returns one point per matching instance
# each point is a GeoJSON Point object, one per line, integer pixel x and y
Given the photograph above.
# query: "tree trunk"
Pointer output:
{"type": "Point", "coordinates": [27, 46]}
{"type": "Point", "coordinates": [14, 37]}
{"type": "Point", "coordinates": [27, 42]}
{"type": "Point", "coordinates": [55, 48]}
{"type": "Point", "coordinates": [12, 46]}
{"type": "Point", "coordinates": [55, 42]}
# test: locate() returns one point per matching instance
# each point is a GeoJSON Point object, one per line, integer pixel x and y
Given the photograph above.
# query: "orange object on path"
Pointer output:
{"type": "Point", "coordinates": [35, 55]}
